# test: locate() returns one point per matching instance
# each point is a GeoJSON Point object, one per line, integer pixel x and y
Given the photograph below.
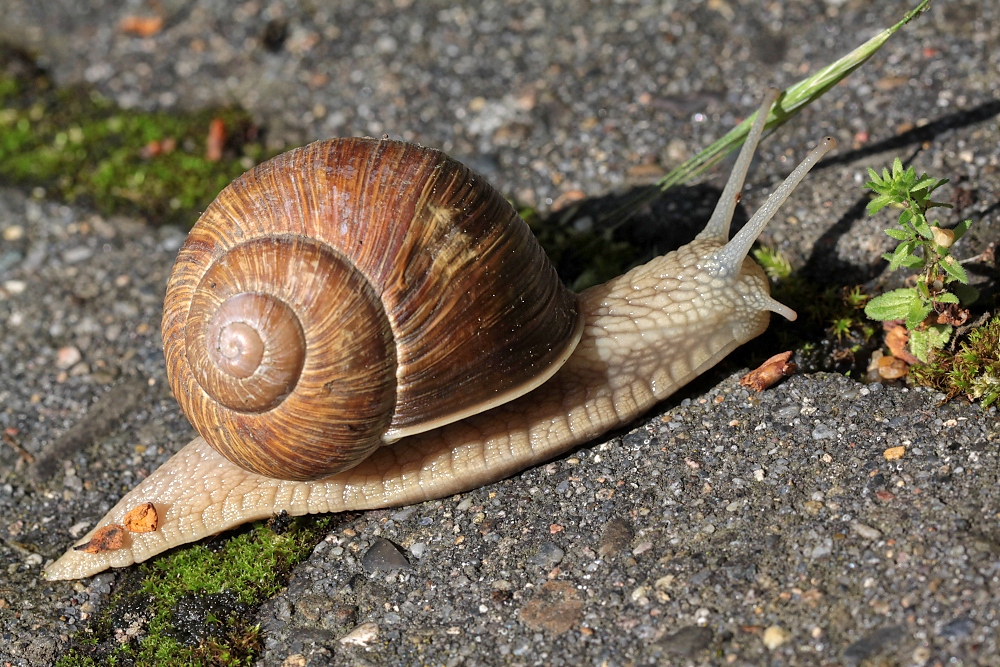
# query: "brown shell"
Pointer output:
{"type": "Point", "coordinates": [356, 291]}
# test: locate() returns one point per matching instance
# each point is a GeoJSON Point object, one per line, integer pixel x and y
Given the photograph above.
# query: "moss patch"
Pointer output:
{"type": "Point", "coordinates": [79, 147]}
{"type": "Point", "coordinates": [972, 370]}
{"type": "Point", "coordinates": [195, 605]}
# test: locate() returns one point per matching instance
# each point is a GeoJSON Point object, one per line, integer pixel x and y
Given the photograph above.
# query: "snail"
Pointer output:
{"type": "Point", "coordinates": [381, 297]}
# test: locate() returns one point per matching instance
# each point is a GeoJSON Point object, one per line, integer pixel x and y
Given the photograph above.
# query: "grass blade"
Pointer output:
{"type": "Point", "coordinates": [792, 100]}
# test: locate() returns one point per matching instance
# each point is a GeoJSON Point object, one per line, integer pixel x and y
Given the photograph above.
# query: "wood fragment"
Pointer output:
{"type": "Point", "coordinates": [141, 26]}
{"type": "Point", "coordinates": [770, 372]}
{"type": "Point", "coordinates": [142, 519]}
{"type": "Point", "coordinates": [216, 140]}
{"type": "Point", "coordinates": [107, 538]}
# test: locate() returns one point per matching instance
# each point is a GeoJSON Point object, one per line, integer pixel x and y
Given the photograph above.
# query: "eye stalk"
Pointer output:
{"type": "Point", "coordinates": [729, 259]}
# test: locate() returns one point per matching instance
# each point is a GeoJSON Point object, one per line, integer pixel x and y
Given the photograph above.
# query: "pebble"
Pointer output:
{"type": "Point", "coordinates": [384, 555]}
{"type": "Point", "coordinates": [77, 254]}
{"type": "Point", "coordinates": [15, 287]}
{"type": "Point", "coordinates": [873, 644]}
{"type": "Point", "coordinates": [615, 537]}
{"type": "Point", "coordinates": [363, 635]}
{"type": "Point", "coordinates": [556, 607]}
{"type": "Point", "coordinates": [958, 628]}
{"type": "Point", "coordinates": [76, 530]}
{"type": "Point", "coordinates": [548, 555]}
{"type": "Point", "coordinates": [13, 233]}
{"type": "Point", "coordinates": [894, 453]}
{"type": "Point", "coordinates": [866, 531]}
{"type": "Point", "coordinates": [642, 547]}
{"type": "Point", "coordinates": [687, 641]}
{"type": "Point", "coordinates": [417, 549]}
{"type": "Point", "coordinates": [824, 432]}
{"type": "Point", "coordinates": [67, 357]}
{"type": "Point", "coordinates": [404, 514]}
{"type": "Point", "coordinates": [775, 636]}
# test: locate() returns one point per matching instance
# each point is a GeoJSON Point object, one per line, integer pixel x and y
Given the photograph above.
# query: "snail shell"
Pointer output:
{"type": "Point", "coordinates": [352, 292]}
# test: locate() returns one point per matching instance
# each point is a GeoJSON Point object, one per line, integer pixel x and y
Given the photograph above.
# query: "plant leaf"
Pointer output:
{"type": "Point", "coordinates": [917, 313]}
{"type": "Point", "coordinates": [955, 270]}
{"type": "Point", "coordinates": [924, 182]}
{"type": "Point", "coordinates": [920, 224]}
{"type": "Point", "coordinates": [946, 297]}
{"type": "Point", "coordinates": [877, 204]}
{"type": "Point", "coordinates": [967, 294]}
{"type": "Point", "coordinates": [961, 228]}
{"type": "Point", "coordinates": [924, 343]}
{"type": "Point", "coordinates": [892, 305]}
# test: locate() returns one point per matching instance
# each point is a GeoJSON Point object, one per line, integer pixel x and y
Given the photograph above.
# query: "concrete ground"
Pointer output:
{"type": "Point", "coordinates": [724, 528]}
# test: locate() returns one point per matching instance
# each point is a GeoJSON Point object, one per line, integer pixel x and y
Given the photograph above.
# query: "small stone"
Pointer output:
{"type": "Point", "coordinates": [824, 432]}
{"type": "Point", "coordinates": [556, 607]}
{"type": "Point", "coordinates": [873, 644]}
{"type": "Point", "coordinates": [67, 357]}
{"type": "Point", "coordinates": [642, 547]}
{"type": "Point", "coordinates": [294, 660]}
{"type": "Point", "coordinates": [15, 287]}
{"type": "Point", "coordinates": [384, 555]}
{"type": "Point", "coordinates": [13, 233]}
{"type": "Point", "coordinates": [774, 637]}
{"type": "Point", "coordinates": [78, 254]}
{"type": "Point", "coordinates": [866, 531]}
{"type": "Point", "coordinates": [73, 483]}
{"type": "Point", "coordinates": [363, 635]}
{"type": "Point", "coordinates": [894, 453]}
{"type": "Point", "coordinates": [312, 607]}
{"type": "Point", "coordinates": [616, 536]}
{"type": "Point", "coordinates": [403, 514]}
{"type": "Point", "coordinates": [687, 642]}
{"type": "Point", "coordinates": [548, 555]}
{"type": "Point", "coordinates": [417, 549]}
{"type": "Point", "coordinates": [464, 505]}
{"type": "Point", "coordinates": [958, 628]}
{"type": "Point", "coordinates": [77, 529]}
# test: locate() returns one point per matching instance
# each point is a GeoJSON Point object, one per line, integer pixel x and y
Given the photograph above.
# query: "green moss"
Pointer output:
{"type": "Point", "coordinates": [195, 605]}
{"type": "Point", "coordinates": [79, 147]}
{"type": "Point", "coordinates": [973, 370]}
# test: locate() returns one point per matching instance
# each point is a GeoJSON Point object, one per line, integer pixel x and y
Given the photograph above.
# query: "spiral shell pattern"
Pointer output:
{"type": "Point", "coordinates": [352, 292]}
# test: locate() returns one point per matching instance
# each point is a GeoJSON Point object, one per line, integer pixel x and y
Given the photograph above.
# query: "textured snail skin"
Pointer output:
{"type": "Point", "coordinates": [646, 334]}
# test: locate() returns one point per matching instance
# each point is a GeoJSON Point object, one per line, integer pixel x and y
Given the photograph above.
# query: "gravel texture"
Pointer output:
{"type": "Point", "coordinates": [726, 527]}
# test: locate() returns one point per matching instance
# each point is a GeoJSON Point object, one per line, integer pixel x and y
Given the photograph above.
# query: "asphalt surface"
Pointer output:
{"type": "Point", "coordinates": [725, 528]}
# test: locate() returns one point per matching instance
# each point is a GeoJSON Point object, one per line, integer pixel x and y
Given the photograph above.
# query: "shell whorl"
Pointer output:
{"type": "Point", "coordinates": [352, 292]}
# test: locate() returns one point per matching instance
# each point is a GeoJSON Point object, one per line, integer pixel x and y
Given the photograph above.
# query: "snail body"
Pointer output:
{"type": "Point", "coordinates": [592, 363]}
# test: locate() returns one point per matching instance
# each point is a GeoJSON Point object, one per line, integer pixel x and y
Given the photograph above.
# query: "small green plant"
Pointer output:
{"type": "Point", "coordinates": [773, 261]}
{"type": "Point", "coordinates": [924, 247]}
